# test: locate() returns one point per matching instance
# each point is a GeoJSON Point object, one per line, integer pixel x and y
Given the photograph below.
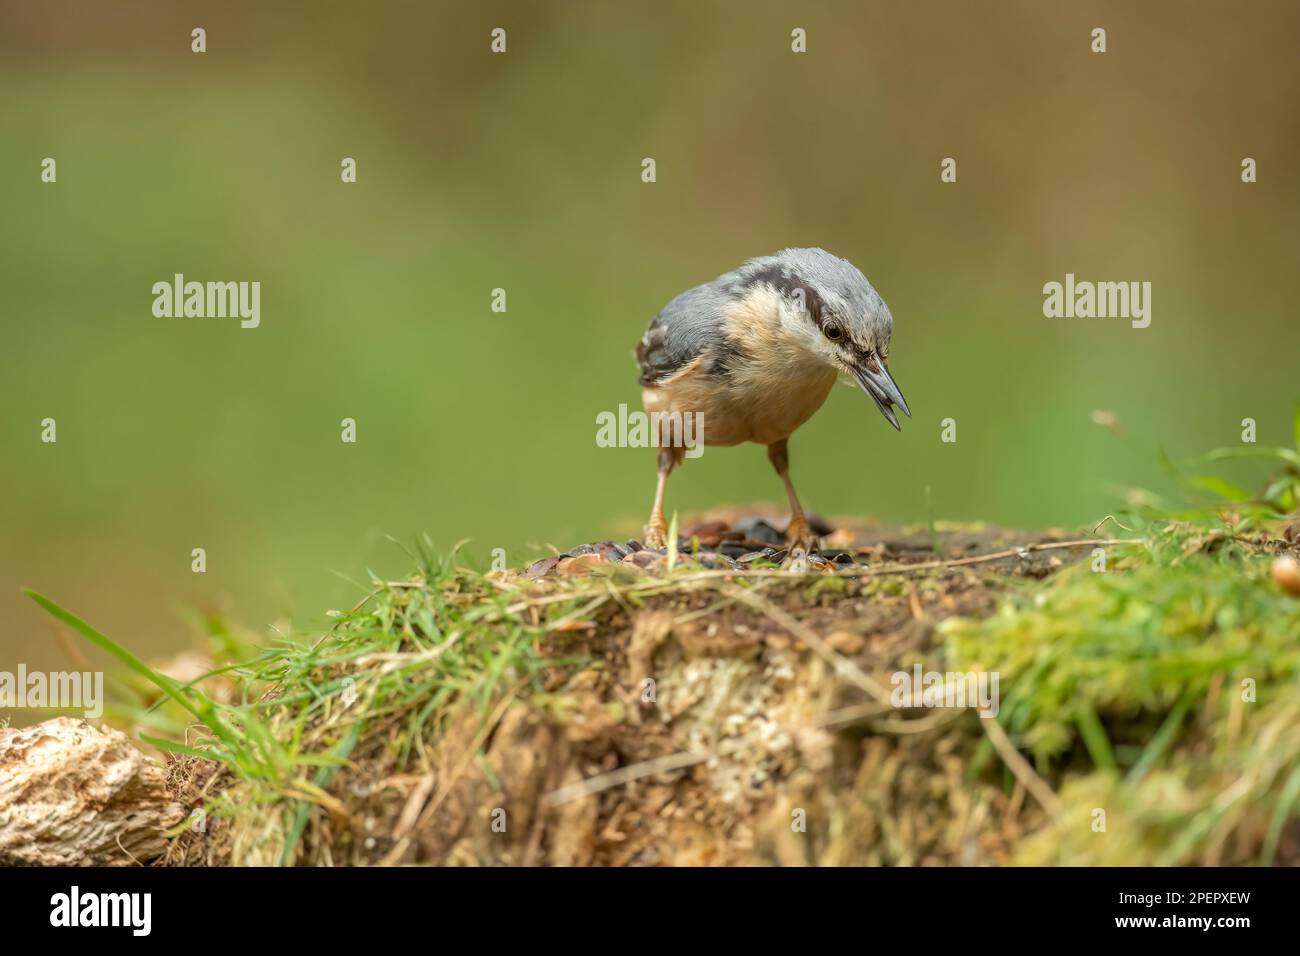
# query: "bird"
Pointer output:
{"type": "Point", "coordinates": [753, 355]}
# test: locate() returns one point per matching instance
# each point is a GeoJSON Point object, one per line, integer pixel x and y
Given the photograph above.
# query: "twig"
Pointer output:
{"type": "Point", "coordinates": [842, 665]}
{"type": "Point", "coordinates": [1019, 766]}
{"type": "Point", "coordinates": [1118, 524]}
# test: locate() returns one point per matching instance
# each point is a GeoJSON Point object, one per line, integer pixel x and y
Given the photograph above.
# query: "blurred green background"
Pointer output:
{"type": "Point", "coordinates": [522, 171]}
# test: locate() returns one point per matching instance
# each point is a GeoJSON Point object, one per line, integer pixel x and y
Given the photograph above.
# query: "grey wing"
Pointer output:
{"type": "Point", "coordinates": [687, 327]}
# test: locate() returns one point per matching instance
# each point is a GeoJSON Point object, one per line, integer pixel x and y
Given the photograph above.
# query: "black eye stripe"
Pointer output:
{"type": "Point", "coordinates": [791, 287]}
{"type": "Point", "coordinates": [812, 302]}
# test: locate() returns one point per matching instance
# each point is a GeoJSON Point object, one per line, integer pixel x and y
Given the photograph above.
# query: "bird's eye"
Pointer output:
{"type": "Point", "coordinates": [833, 332]}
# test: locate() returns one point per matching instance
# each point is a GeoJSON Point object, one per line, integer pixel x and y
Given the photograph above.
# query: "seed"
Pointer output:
{"type": "Point", "coordinates": [1286, 572]}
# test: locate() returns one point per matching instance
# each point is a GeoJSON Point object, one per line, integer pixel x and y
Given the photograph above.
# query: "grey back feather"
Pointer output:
{"type": "Point", "coordinates": [687, 327]}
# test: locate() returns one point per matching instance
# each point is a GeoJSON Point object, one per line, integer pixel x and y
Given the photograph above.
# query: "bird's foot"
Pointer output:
{"type": "Point", "coordinates": [799, 537]}
{"type": "Point", "coordinates": [656, 532]}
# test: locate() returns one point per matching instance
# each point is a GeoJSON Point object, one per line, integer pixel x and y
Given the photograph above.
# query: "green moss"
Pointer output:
{"type": "Point", "coordinates": [1163, 691]}
{"type": "Point", "coordinates": [1131, 642]}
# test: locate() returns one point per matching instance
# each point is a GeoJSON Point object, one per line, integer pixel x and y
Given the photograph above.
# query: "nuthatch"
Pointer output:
{"type": "Point", "coordinates": [756, 352]}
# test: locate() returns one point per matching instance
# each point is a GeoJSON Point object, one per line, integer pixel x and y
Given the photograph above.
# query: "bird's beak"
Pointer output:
{"type": "Point", "coordinates": [882, 390]}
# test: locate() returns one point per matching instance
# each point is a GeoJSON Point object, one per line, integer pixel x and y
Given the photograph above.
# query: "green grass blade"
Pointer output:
{"type": "Point", "coordinates": [323, 776]}
{"type": "Point", "coordinates": [672, 542]}
{"type": "Point", "coordinates": [1218, 486]}
{"type": "Point", "coordinates": [1281, 813]}
{"type": "Point", "coordinates": [184, 750]}
{"type": "Point", "coordinates": [1289, 455]}
{"type": "Point", "coordinates": [202, 710]}
{"type": "Point", "coordinates": [1159, 743]}
{"type": "Point", "coordinates": [1094, 738]}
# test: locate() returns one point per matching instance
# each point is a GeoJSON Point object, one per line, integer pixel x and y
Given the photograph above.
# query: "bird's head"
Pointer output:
{"type": "Point", "coordinates": [831, 311]}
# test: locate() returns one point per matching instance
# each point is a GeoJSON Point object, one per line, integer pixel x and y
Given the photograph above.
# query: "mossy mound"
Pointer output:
{"type": "Point", "coordinates": [687, 715]}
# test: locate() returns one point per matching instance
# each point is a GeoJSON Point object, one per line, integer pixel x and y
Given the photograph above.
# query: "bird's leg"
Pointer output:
{"type": "Point", "coordinates": [656, 530]}
{"type": "Point", "coordinates": [798, 534]}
